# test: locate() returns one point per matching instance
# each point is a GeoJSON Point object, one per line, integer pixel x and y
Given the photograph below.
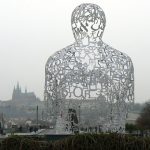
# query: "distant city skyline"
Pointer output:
{"type": "Point", "coordinates": [32, 30]}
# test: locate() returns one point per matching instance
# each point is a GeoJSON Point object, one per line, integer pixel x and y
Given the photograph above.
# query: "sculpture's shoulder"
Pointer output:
{"type": "Point", "coordinates": [118, 57]}
{"type": "Point", "coordinates": [59, 56]}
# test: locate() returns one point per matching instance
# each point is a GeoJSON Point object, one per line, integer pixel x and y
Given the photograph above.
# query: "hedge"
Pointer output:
{"type": "Point", "coordinates": [79, 142]}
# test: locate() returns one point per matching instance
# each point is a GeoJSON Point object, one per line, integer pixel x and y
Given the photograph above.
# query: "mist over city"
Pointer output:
{"type": "Point", "coordinates": [31, 30]}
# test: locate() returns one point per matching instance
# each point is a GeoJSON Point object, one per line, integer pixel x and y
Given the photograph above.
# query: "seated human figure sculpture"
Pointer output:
{"type": "Point", "coordinates": [90, 77]}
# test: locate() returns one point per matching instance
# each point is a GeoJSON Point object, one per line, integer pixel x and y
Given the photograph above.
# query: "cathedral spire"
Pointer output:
{"type": "Point", "coordinates": [25, 90]}
{"type": "Point", "coordinates": [17, 85]}
{"type": "Point", "coordinates": [13, 95]}
{"type": "Point", "coordinates": [14, 88]}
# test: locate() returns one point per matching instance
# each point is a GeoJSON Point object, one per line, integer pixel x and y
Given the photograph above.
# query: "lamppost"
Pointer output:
{"type": "Point", "coordinates": [37, 115]}
{"type": "Point", "coordinates": [79, 118]}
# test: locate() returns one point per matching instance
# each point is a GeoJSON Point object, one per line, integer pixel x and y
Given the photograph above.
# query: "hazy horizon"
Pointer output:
{"type": "Point", "coordinates": [32, 30]}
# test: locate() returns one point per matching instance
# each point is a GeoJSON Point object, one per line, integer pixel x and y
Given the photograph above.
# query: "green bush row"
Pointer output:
{"type": "Point", "coordinates": [79, 142]}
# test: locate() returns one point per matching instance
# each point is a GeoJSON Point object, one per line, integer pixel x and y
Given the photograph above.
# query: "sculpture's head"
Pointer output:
{"type": "Point", "coordinates": [88, 23]}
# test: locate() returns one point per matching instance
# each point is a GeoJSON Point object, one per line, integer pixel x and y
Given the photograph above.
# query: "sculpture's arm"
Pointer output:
{"type": "Point", "coordinates": [130, 86]}
{"type": "Point", "coordinates": [50, 92]}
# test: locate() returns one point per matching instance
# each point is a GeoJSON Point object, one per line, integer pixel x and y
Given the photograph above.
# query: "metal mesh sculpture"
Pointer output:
{"type": "Point", "coordinates": [89, 79]}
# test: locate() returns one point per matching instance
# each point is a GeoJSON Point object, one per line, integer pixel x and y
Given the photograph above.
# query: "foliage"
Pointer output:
{"type": "Point", "coordinates": [143, 121]}
{"type": "Point", "coordinates": [79, 142]}
{"type": "Point", "coordinates": [131, 127]}
{"type": "Point", "coordinates": [21, 143]}
{"type": "Point", "coordinates": [103, 142]}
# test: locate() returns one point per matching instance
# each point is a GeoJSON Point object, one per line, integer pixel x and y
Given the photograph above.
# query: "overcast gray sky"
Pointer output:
{"type": "Point", "coordinates": [32, 30]}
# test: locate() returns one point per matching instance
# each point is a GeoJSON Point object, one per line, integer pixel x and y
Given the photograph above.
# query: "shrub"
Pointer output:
{"type": "Point", "coordinates": [79, 142]}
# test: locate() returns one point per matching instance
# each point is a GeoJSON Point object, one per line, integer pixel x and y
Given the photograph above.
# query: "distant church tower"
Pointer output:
{"type": "Point", "coordinates": [16, 92]}
{"type": "Point", "coordinates": [19, 96]}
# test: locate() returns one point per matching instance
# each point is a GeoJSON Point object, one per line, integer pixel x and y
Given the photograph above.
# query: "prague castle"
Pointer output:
{"type": "Point", "coordinates": [20, 96]}
{"type": "Point", "coordinates": [22, 104]}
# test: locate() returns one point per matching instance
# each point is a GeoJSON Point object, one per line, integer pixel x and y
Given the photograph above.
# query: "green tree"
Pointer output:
{"type": "Point", "coordinates": [131, 127]}
{"type": "Point", "coordinates": [143, 121]}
